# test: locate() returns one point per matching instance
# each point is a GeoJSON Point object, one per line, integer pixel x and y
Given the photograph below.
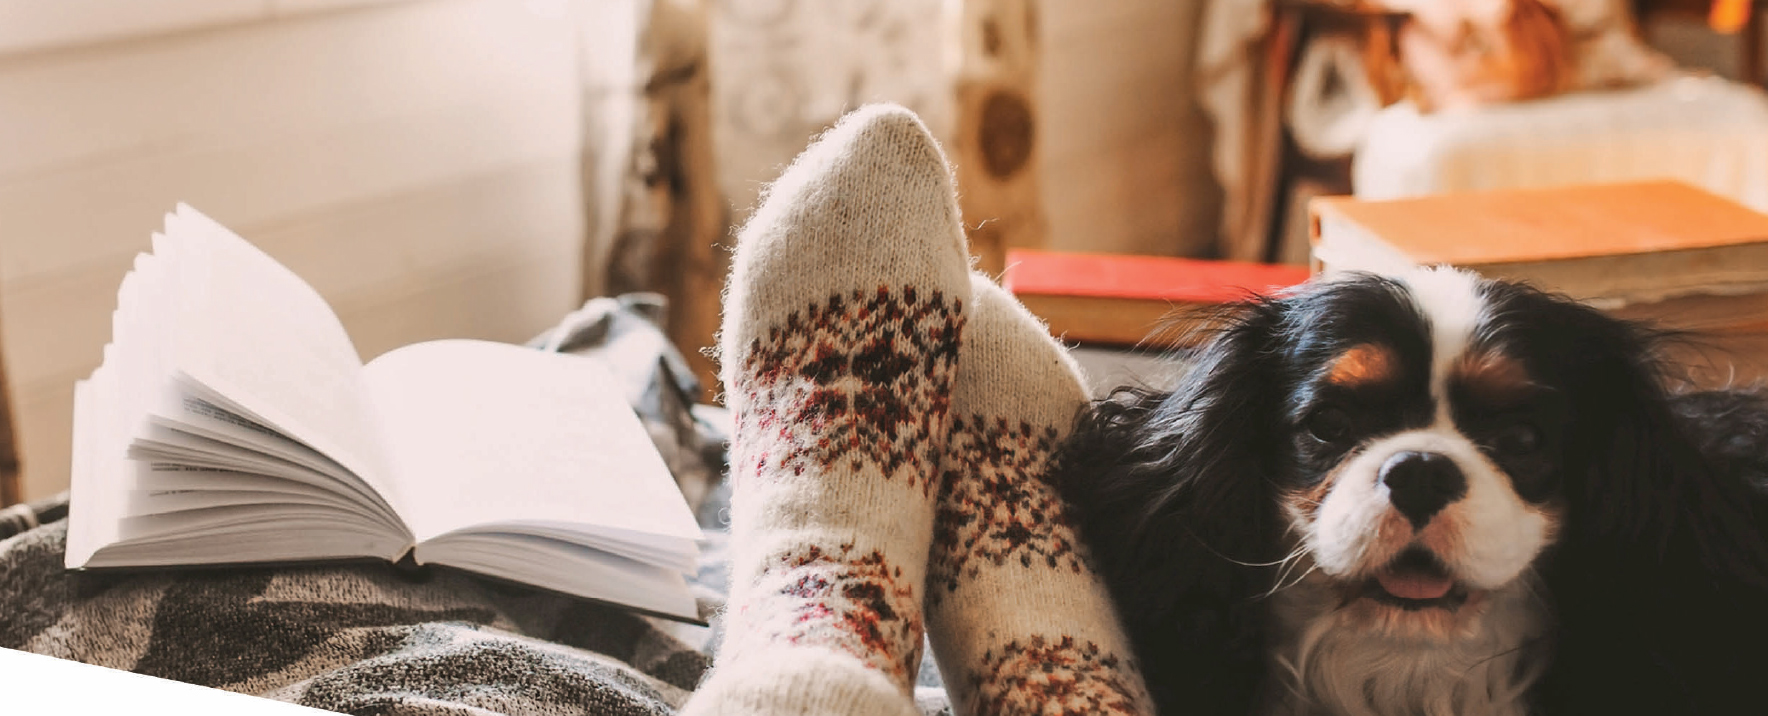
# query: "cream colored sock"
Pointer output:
{"type": "Point", "coordinates": [1020, 624]}
{"type": "Point", "coordinates": [840, 340]}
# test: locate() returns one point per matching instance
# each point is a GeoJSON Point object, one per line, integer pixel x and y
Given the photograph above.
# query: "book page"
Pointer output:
{"type": "Point", "coordinates": [593, 574]}
{"type": "Point", "coordinates": [489, 435]}
{"type": "Point", "coordinates": [252, 331]}
{"type": "Point", "coordinates": [1346, 246]}
{"type": "Point", "coordinates": [129, 512]}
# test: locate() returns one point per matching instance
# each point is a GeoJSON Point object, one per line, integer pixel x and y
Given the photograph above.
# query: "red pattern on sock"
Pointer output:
{"type": "Point", "coordinates": [997, 508]}
{"type": "Point", "coordinates": [862, 377]}
{"type": "Point", "coordinates": [856, 602]}
{"type": "Point", "coordinates": [1062, 678]}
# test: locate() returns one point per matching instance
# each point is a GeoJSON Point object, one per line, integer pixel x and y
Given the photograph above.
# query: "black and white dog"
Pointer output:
{"type": "Point", "coordinates": [1432, 494]}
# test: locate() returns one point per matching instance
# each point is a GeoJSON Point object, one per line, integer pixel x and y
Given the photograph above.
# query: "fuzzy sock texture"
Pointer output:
{"type": "Point", "coordinates": [840, 341]}
{"type": "Point", "coordinates": [1020, 623]}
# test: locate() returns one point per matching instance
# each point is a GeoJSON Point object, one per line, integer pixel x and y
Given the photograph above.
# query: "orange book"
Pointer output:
{"type": "Point", "coordinates": [1132, 300]}
{"type": "Point", "coordinates": [1614, 245]}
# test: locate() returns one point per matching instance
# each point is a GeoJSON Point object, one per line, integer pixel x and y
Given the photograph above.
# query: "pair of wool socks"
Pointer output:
{"type": "Point", "coordinates": [895, 419]}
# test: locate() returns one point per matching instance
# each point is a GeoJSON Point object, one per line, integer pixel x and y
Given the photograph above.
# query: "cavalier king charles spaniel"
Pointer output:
{"type": "Point", "coordinates": [1430, 493]}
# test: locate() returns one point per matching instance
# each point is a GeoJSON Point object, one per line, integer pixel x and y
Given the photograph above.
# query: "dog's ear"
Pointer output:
{"type": "Point", "coordinates": [1659, 578]}
{"type": "Point", "coordinates": [1172, 494]}
{"type": "Point", "coordinates": [1645, 486]}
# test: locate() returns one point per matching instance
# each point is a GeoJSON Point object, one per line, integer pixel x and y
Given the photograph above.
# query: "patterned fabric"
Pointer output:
{"type": "Point", "coordinates": [839, 347]}
{"type": "Point", "coordinates": [996, 509]}
{"type": "Point", "coordinates": [355, 639]}
{"type": "Point", "coordinates": [1017, 618]}
{"type": "Point", "coordinates": [1067, 677]}
{"type": "Point", "coordinates": [860, 378]}
{"type": "Point", "coordinates": [854, 384]}
{"type": "Point", "coordinates": [833, 593]}
{"type": "Point", "coordinates": [28, 515]}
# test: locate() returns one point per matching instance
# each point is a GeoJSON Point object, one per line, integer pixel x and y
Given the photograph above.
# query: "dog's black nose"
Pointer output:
{"type": "Point", "coordinates": [1420, 484]}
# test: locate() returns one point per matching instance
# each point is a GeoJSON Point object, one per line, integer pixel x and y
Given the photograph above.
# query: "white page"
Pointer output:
{"type": "Point", "coordinates": [145, 330]}
{"type": "Point", "coordinates": [99, 473]}
{"type": "Point", "coordinates": [197, 417]}
{"type": "Point", "coordinates": [493, 434]}
{"type": "Point", "coordinates": [165, 502]}
{"type": "Point", "coordinates": [186, 477]}
{"type": "Point", "coordinates": [569, 568]}
{"type": "Point", "coordinates": [251, 330]}
{"type": "Point", "coordinates": [264, 534]}
{"type": "Point", "coordinates": [91, 522]}
{"type": "Point", "coordinates": [208, 318]}
{"type": "Point", "coordinates": [157, 442]}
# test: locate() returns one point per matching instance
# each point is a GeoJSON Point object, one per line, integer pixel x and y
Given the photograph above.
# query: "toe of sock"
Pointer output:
{"type": "Point", "coordinates": [871, 197]}
{"type": "Point", "coordinates": [806, 682]}
{"type": "Point", "coordinates": [867, 213]}
{"type": "Point", "coordinates": [1005, 348]}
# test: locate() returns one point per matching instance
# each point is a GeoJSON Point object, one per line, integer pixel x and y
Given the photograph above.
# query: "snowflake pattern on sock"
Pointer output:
{"type": "Point", "coordinates": [997, 508]}
{"type": "Point", "coordinates": [845, 599]}
{"type": "Point", "coordinates": [1053, 678]}
{"type": "Point", "coordinates": [863, 377]}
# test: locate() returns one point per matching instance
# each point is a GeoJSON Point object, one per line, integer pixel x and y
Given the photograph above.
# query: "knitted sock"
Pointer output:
{"type": "Point", "coordinates": [1020, 623]}
{"type": "Point", "coordinates": [839, 345]}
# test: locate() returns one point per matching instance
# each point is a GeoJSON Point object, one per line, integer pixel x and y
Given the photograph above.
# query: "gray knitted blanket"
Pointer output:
{"type": "Point", "coordinates": [363, 639]}
{"type": "Point", "coordinates": [367, 638]}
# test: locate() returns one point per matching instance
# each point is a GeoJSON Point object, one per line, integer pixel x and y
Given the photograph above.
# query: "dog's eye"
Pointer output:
{"type": "Point", "coordinates": [1518, 439]}
{"type": "Point", "coordinates": [1330, 425]}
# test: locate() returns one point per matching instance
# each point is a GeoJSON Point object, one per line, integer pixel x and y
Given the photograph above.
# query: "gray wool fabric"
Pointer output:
{"type": "Point", "coordinates": [354, 639]}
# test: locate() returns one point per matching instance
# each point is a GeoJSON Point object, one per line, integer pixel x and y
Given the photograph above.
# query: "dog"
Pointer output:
{"type": "Point", "coordinates": [1431, 493]}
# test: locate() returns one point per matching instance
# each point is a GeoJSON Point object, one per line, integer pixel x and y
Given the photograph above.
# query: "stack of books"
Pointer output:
{"type": "Point", "coordinates": [1659, 251]}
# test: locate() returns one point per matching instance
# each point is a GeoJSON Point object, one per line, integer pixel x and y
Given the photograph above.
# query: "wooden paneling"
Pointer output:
{"type": "Point", "coordinates": [995, 140]}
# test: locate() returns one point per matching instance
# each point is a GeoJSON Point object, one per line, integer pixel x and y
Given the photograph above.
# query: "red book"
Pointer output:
{"type": "Point", "coordinates": [1131, 300]}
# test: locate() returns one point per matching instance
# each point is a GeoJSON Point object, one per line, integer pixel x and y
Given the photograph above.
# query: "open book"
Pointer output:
{"type": "Point", "coordinates": [231, 422]}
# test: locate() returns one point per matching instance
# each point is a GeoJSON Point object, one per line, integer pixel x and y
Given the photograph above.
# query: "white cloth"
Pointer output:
{"type": "Point", "coordinates": [1332, 100]}
{"type": "Point", "coordinates": [1703, 130]}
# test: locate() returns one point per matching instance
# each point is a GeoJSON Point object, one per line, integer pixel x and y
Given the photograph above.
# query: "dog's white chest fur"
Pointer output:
{"type": "Point", "coordinates": [1322, 667]}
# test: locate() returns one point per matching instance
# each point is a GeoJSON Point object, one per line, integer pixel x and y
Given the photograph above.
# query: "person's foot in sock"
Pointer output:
{"type": "Point", "coordinates": [840, 340]}
{"type": "Point", "coordinates": [1019, 622]}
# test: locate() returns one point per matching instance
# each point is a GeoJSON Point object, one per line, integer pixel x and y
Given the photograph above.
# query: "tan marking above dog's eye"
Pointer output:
{"type": "Point", "coordinates": [1495, 379]}
{"type": "Point", "coordinates": [1365, 364]}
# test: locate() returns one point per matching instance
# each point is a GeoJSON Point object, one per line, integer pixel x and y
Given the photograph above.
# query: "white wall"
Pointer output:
{"type": "Point", "coordinates": [416, 161]}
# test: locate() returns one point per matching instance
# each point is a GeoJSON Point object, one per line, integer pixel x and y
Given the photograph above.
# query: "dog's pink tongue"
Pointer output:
{"type": "Point", "coordinates": [1412, 585]}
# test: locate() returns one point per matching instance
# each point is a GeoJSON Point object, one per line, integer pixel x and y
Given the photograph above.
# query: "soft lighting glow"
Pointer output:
{"type": "Point", "coordinates": [1729, 16]}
